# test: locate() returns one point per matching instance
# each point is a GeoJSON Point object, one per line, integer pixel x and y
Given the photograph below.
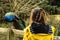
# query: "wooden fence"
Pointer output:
{"type": "Point", "coordinates": [5, 34]}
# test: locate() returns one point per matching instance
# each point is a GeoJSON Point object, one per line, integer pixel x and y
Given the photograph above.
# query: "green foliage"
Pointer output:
{"type": "Point", "coordinates": [54, 2]}
{"type": "Point", "coordinates": [50, 9]}
{"type": "Point", "coordinates": [23, 7]}
{"type": "Point", "coordinates": [4, 25]}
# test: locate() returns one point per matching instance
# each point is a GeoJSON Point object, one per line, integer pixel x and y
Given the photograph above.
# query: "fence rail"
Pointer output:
{"type": "Point", "coordinates": [17, 35]}
{"type": "Point", "coordinates": [7, 34]}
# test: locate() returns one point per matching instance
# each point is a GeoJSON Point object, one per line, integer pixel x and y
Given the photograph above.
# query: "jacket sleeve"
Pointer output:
{"type": "Point", "coordinates": [26, 34]}
{"type": "Point", "coordinates": [53, 29]}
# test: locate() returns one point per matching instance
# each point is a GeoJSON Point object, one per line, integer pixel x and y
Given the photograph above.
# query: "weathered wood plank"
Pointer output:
{"type": "Point", "coordinates": [20, 32]}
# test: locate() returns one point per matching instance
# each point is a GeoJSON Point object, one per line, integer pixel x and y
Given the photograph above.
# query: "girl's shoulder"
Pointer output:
{"type": "Point", "coordinates": [27, 28]}
{"type": "Point", "coordinates": [53, 29]}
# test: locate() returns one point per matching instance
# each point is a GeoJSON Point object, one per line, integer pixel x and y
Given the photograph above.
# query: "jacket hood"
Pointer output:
{"type": "Point", "coordinates": [40, 28]}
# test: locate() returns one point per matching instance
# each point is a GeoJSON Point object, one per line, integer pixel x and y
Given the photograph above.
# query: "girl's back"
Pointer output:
{"type": "Point", "coordinates": [40, 36]}
{"type": "Point", "coordinates": [38, 28]}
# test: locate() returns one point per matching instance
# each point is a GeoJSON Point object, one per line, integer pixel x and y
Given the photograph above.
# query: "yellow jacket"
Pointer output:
{"type": "Point", "coordinates": [29, 36]}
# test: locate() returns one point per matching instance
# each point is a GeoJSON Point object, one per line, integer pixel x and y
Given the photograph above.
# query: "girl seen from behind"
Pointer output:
{"type": "Point", "coordinates": [38, 28]}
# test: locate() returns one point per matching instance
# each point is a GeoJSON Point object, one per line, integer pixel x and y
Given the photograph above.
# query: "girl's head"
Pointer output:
{"type": "Point", "coordinates": [38, 15]}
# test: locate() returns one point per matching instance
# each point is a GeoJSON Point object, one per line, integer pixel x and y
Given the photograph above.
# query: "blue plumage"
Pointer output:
{"type": "Point", "coordinates": [9, 18]}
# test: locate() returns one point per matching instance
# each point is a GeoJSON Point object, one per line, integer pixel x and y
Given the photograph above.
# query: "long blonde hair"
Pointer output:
{"type": "Point", "coordinates": [38, 15]}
